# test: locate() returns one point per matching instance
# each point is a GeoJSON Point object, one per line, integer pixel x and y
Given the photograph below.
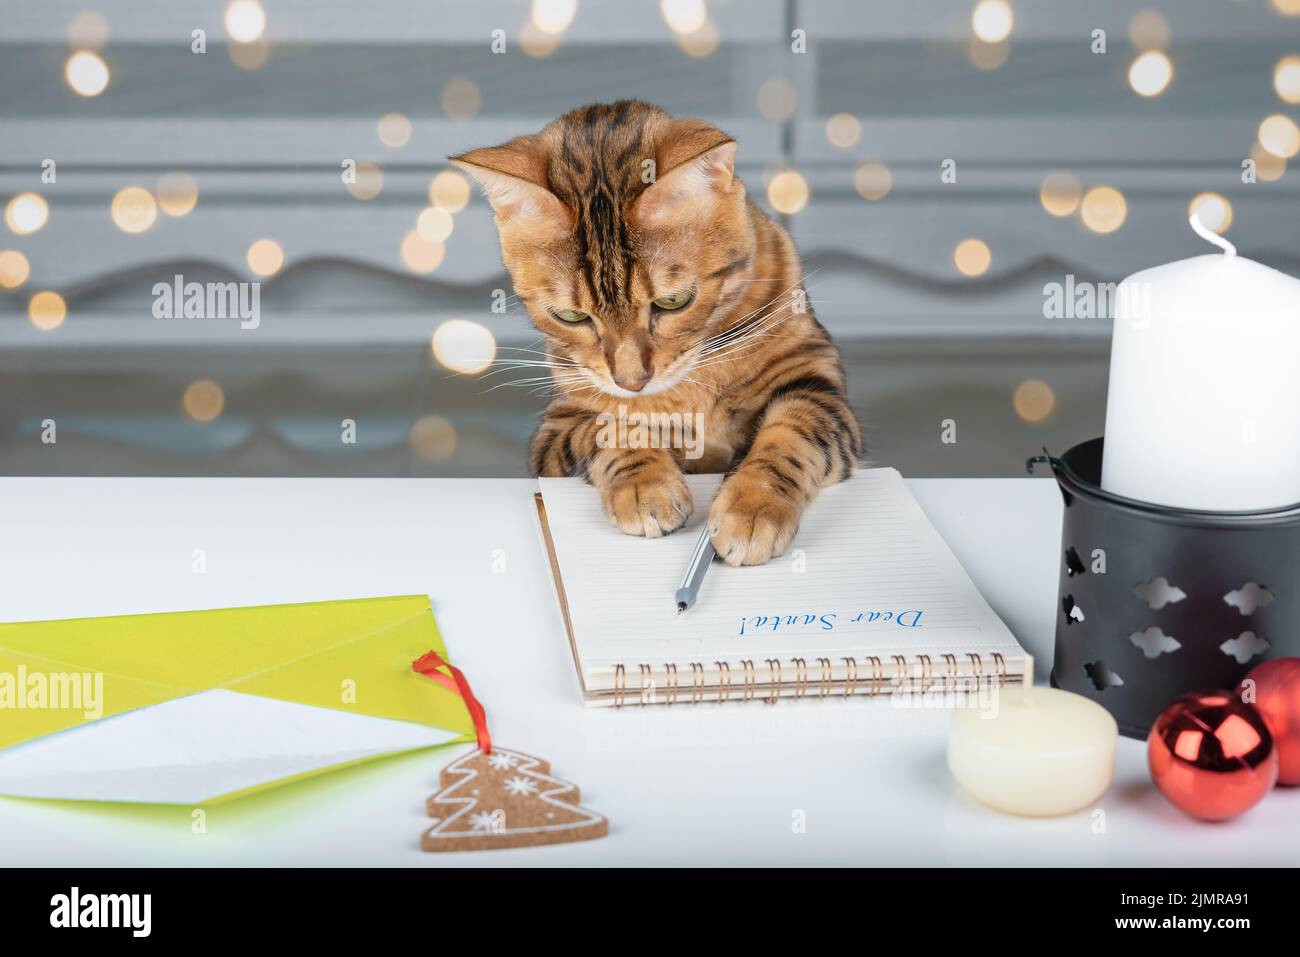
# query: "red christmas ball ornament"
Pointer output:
{"type": "Point", "coordinates": [1274, 687]}
{"type": "Point", "coordinates": [1212, 755]}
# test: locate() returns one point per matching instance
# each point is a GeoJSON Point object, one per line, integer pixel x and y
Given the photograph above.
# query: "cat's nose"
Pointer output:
{"type": "Point", "coordinates": [633, 385]}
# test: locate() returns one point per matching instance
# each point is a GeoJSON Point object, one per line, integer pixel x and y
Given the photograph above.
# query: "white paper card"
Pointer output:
{"type": "Point", "coordinates": [200, 746]}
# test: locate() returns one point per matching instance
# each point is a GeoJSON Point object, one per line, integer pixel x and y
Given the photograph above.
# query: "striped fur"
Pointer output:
{"type": "Point", "coordinates": [585, 228]}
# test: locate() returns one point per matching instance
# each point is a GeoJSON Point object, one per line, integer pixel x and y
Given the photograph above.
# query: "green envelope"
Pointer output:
{"type": "Point", "coordinates": [185, 707]}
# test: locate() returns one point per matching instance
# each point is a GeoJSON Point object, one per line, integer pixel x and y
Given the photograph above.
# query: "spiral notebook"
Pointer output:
{"type": "Point", "coordinates": [868, 599]}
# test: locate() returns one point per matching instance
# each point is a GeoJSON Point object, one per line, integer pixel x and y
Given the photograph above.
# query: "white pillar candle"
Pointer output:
{"type": "Point", "coordinates": [1204, 403]}
{"type": "Point", "coordinates": [1034, 751]}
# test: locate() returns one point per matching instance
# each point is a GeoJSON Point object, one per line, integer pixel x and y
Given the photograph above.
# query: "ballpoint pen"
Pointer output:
{"type": "Point", "coordinates": [701, 558]}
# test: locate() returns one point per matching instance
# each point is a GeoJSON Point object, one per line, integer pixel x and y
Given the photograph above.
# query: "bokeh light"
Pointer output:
{"type": "Point", "coordinates": [449, 190]}
{"type": "Point", "coordinates": [419, 255]}
{"type": "Point", "coordinates": [537, 43]}
{"type": "Point", "coordinates": [788, 192]}
{"type": "Point", "coordinates": [394, 130]}
{"type": "Point", "coordinates": [47, 310]}
{"type": "Point", "coordinates": [1033, 400]}
{"type": "Point", "coordinates": [26, 213]}
{"type": "Point", "coordinates": [177, 193]}
{"type": "Point", "coordinates": [249, 56]}
{"type": "Point", "coordinates": [1149, 30]}
{"type": "Point", "coordinates": [777, 99]}
{"type": "Point", "coordinates": [1269, 168]}
{"type": "Point", "coordinates": [368, 183]}
{"type": "Point", "coordinates": [972, 257]}
{"type": "Point", "coordinates": [701, 43]}
{"type": "Point", "coordinates": [432, 438]}
{"type": "Point", "coordinates": [203, 400]}
{"type": "Point", "coordinates": [843, 130]}
{"type": "Point", "coordinates": [464, 346]}
{"type": "Point", "coordinates": [1287, 8]}
{"type": "Point", "coordinates": [684, 16]}
{"type": "Point", "coordinates": [14, 269]}
{"type": "Point", "coordinates": [992, 20]}
{"type": "Point", "coordinates": [1103, 209]}
{"type": "Point", "coordinates": [133, 209]}
{"type": "Point", "coordinates": [87, 73]}
{"type": "Point", "coordinates": [435, 225]}
{"type": "Point", "coordinates": [1214, 210]}
{"type": "Point", "coordinates": [873, 180]}
{"type": "Point", "coordinates": [1280, 136]}
{"type": "Point", "coordinates": [245, 20]}
{"type": "Point", "coordinates": [88, 30]}
{"type": "Point", "coordinates": [461, 98]}
{"type": "Point", "coordinates": [1286, 78]}
{"type": "Point", "coordinates": [987, 56]}
{"type": "Point", "coordinates": [1151, 73]}
{"type": "Point", "coordinates": [554, 16]}
{"type": "Point", "coordinates": [1060, 193]}
{"type": "Point", "coordinates": [265, 257]}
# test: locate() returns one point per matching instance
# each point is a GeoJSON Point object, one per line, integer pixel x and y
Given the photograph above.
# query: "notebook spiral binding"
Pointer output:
{"type": "Point", "coordinates": [873, 678]}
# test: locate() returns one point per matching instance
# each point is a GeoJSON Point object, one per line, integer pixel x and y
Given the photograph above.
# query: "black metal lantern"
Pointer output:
{"type": "Point", "coordinates": [1156, 602]}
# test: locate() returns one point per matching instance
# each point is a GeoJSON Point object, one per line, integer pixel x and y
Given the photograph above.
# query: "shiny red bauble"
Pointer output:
{"type": "Point", "coordinates": [1274, 687]}
{"type": "Point", "coordinates": [1212, 755]}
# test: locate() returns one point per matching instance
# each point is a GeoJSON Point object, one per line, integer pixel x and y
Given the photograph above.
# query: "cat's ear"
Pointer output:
{"type": "Point", "coordinates": [513, 177]}
{"type": "Point", "coordinates": [698, 168]}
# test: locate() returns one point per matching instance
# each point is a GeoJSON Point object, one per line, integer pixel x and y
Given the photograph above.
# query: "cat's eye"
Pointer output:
{"type": "Point", "coordinates": [676, 301]}
{"type": "Point", "coordinates": [570, 315]}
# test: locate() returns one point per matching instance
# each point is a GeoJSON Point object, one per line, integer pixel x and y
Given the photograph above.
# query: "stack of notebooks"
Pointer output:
{"type": "Point", "coordinates": [867, 600]}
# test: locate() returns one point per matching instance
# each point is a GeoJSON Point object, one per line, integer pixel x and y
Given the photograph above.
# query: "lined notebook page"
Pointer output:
{"type": "Point", "coordinates": [866, 574]}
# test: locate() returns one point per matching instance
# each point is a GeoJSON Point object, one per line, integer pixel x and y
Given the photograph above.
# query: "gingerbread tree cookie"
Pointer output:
{"type": "Point", "coordinates": [506, 799]}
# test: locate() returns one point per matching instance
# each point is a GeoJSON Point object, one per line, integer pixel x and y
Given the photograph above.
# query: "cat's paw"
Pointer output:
{"type": "Point", "coordinates": [652, 502]}
{"type": "Point", "coordinates": [750, 523]}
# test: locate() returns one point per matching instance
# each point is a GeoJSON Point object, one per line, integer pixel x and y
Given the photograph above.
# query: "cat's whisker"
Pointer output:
{"type": "Point", "coordinates": [758, 328]}
{"type": "Point", "coordinates": [747, 324]}
{"type": "Point", "coordinates": [549, 363]}
{"type": "Point", "coordinates": [527, 381]}
{"type": "Point", "coordinates": [552, 389]}
{"type": "Point", "coordinates": [500, 365]}
{"type": "Point", "coordinates": [530, 364]}
{"type": "Point", "coordinates": [740, 352]}
{"type": "Point", "coordinates": [801, 284]}
{"type": "Point", "coordinates": [529, 349]}
{"type": "Point", "coordinates": [514, 384]}
{"type": "Point", "coordinates": [739, 348]}
{"type": "Point", "coordinates": [494, 373]}
{"type": "Point", "coordinates": [700, 384]}
{"type": "Point", "coordinates": [752, 332]}
{"type": "Point", "coordinates": [742, 320]}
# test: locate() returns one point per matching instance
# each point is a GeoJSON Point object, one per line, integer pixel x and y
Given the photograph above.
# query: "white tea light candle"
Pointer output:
{"type": "Point", "coordinates": [1036, 752]}
{"type": "Point", "coordinates": [1203, 410]}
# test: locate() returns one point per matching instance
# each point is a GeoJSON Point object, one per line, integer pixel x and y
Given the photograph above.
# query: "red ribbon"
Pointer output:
{"type": "Point", "coordinates": [428, 665]}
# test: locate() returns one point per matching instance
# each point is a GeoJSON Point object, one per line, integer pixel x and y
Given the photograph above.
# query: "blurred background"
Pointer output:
{"type": "Point", "coordinates": [938, 162]}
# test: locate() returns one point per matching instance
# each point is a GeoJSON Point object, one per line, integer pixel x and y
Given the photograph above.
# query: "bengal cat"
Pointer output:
{"type": "Point", "coordinates": [661, 288]}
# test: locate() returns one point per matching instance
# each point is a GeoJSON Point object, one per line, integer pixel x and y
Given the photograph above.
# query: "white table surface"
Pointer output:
{"type": "Point", "coordinates": [682, 785]}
